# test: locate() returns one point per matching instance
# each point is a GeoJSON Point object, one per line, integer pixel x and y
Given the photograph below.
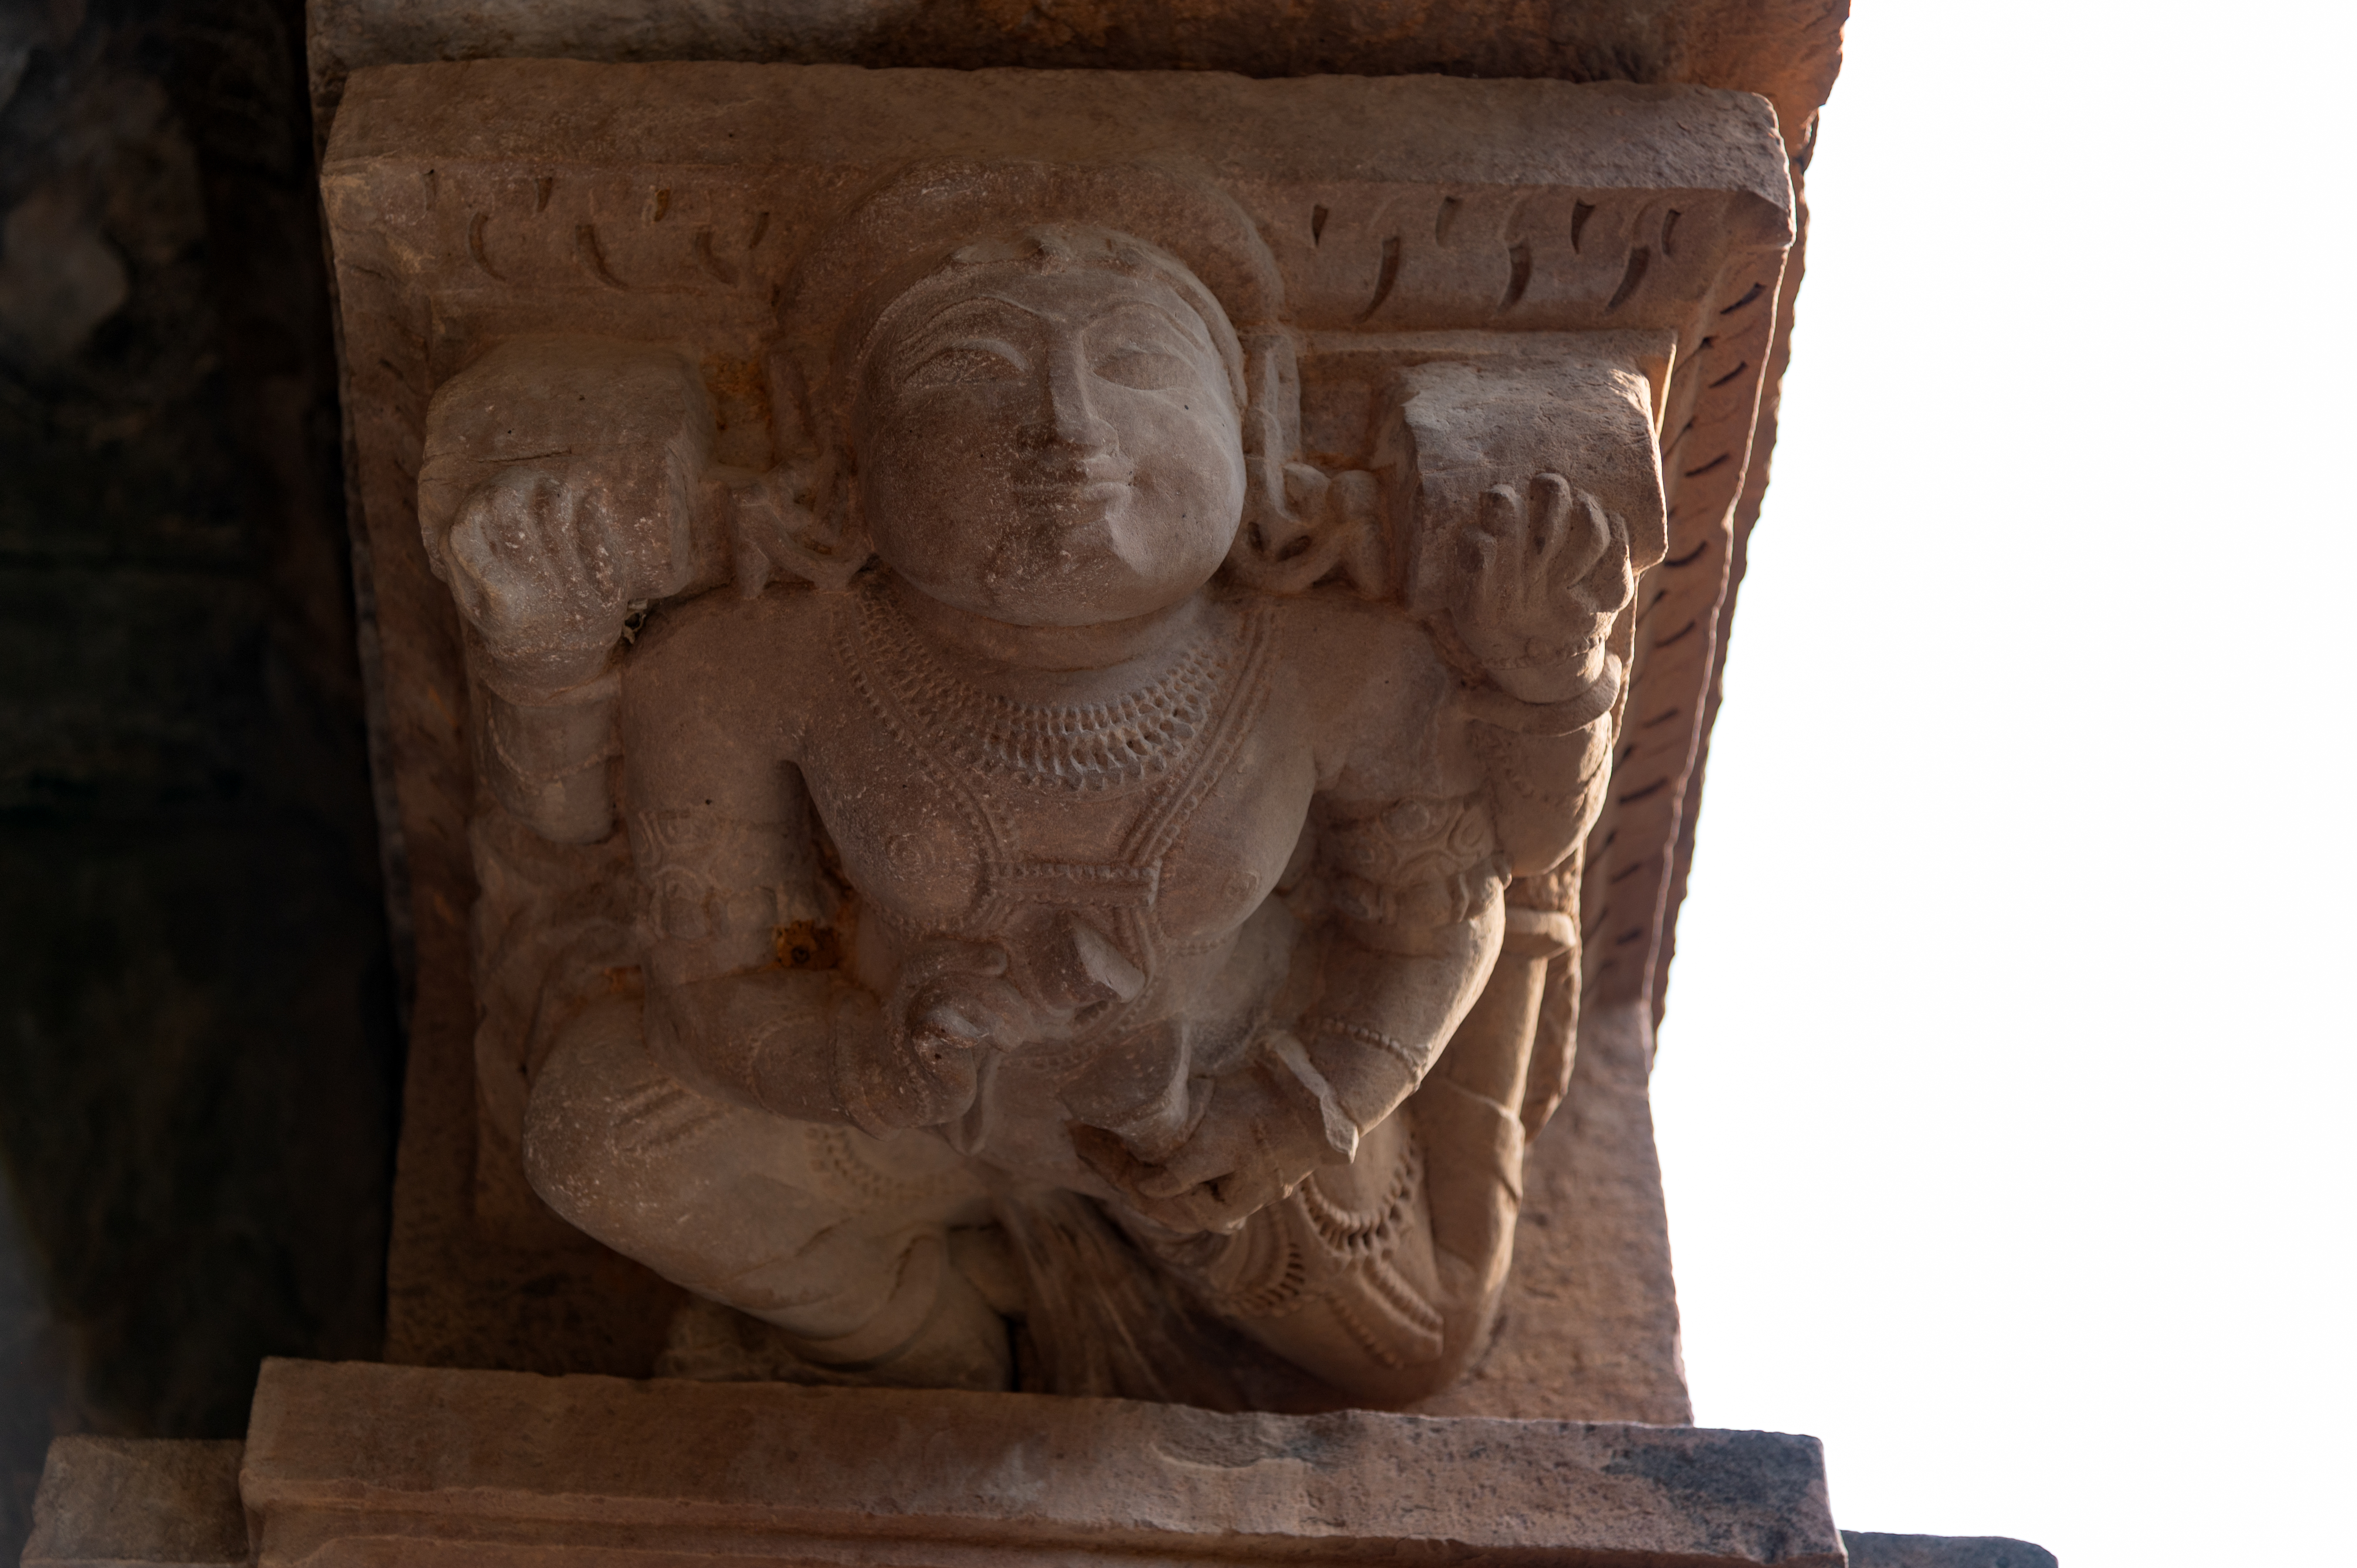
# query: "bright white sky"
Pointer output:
{"type": "Point", "coordinates": [2006, 1091]}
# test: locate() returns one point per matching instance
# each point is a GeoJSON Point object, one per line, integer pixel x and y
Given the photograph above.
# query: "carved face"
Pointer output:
{"type": "Point", "coordinates": [1055, 448]}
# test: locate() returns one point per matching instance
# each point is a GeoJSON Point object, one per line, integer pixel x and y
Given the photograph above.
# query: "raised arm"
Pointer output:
{"type": "Point", "coordinates": [1543, 579]}
{"type": "Point", "coordinates": [567, 487]}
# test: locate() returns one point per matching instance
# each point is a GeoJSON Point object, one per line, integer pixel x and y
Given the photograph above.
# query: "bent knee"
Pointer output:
{"type": "Point", "coordinates": [697, 1189]}
{"type": "Point", "coordinates": [592, 1104]}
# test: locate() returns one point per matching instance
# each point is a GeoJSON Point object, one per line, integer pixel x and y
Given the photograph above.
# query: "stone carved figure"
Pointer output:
{"type": "Point", "coordinates": [1092, 878]}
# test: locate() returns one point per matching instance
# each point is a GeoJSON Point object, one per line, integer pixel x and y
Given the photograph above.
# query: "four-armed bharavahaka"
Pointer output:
{"type": "Point", "coordinates": [1032, 865]}
{"type": "Point", "coordinates": [1062, 867]}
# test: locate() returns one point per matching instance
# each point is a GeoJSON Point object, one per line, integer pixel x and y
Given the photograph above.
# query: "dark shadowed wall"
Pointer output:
{"type": "Point", "coordinates": [198, 1053]}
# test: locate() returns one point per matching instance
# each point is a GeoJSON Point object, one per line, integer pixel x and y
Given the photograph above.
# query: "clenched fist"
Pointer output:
{"type": "Point", "coordinates": [565, 485]}
{"type": "Point", "coordinates": [544, 574]}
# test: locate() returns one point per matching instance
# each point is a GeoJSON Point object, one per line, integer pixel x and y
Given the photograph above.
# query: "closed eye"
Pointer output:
{"type": "Point", "coordinates": [1144, 367]}
{"type": "Point", "coordinates": [968, 360]}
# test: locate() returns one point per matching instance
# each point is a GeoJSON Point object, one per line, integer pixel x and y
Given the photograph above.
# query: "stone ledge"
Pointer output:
{"type": "Point", "coordinates": [393, 1465]}
{"type": "Point", "coordinates": [151, 1501]}
{"type": "Point", "coordinates": [384, 1464]}
{"type": "Point", "coordinates": [1871, 1549]}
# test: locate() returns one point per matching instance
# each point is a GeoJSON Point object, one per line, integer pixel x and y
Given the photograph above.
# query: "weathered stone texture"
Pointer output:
{"type": "Point", "coordinates": [1588, 1330]}
{"type": "Point", "coordinates": [1869, 1549]}
{"type": "Point", "coordinates": [147, 1501]}
{"type": "Point", "coordinates": [449, 236]}
{"type": "Point", "coordinates": [1786, 50]}
{"type": "Point", "coordinates": [1189, 1480]}
{"type": "Point", "coordinates": [504, 1469]}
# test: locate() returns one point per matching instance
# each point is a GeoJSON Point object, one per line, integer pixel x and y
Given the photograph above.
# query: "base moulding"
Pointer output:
{"type": "Point", "coordinates": [383, 1466]}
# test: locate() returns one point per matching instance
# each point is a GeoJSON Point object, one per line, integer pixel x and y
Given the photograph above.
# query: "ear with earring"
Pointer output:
{"type": "Point", "coordinates": [1301, 525]}
{"type": "Point", "coordinates": [795, 519]}
{"type": "Point", "coordinates": [799, 516]}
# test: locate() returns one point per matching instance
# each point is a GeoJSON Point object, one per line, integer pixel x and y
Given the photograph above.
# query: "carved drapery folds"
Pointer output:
{"type": "Point", "coordinates": [1047, 710]}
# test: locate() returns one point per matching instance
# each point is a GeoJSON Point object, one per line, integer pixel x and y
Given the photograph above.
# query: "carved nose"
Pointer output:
{"type": "Point", "coordinates": [1066, 419]}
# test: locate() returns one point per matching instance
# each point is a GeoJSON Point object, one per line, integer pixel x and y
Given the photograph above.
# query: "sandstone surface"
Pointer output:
{"type": "Point", "coordinates": [1460, 275]}
{"type": "Point", "coordinates": [161, 1501]}
{"type": "Point", "coordinates": [1870, 1549]}
{"type": "Point", "coordinates": [357, 1462]}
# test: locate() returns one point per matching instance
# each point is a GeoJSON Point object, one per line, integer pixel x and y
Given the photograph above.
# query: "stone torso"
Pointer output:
{"type": "Point", "coordinates": [1157, 810]}
{"type": "Point", "coordinates": [1126, 836]}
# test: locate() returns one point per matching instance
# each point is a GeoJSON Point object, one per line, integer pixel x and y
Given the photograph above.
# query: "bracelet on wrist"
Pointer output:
{"type": "Point", "coordinates": [1314, 1098]}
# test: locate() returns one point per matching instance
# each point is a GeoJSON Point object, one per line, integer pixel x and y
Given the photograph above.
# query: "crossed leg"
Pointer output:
{"type": "Point", "coordinates": [839, 1238]}
{"type": "Point", "coordinates": [1382, 1277]}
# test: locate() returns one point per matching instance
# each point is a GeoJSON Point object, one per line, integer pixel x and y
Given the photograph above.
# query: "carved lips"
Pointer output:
{"type": "Point", "coordinates": [1071, 494]}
